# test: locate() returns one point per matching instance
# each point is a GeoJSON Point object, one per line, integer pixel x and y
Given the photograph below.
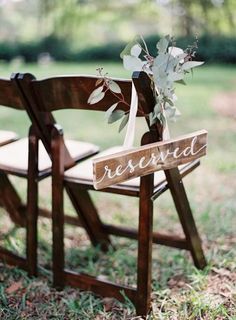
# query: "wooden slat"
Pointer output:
{"type": "Point", "coordinates": [99, 286]}
{"type": "Point", "coordinates": [72, 92]}
{"type": "Point", "coordinates": [133, 163]}
{"type": "Point", "coordinates": [13, 259]}
{"type": "Point", "coordinates": [88, 215]}
{"type": "Point", "coordinates": [68, 219]}
{"type": "Point", "coordinates": [11, 201]}
{"type": "Point", "coordinates": [158, 238]}
{"type": "Point", "coordinates": [9, 96]}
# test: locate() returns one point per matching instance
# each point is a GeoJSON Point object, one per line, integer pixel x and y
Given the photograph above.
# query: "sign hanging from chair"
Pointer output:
{"type": "Point", "coordinates": [137, 162]}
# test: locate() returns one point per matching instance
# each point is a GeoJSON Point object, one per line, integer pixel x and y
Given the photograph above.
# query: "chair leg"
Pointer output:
{"type": "Point", "coordinates": [186, 217]}
{"type": "Point", "coordinates": [11, 201]}
{"type": "Point", "coordinates": [144, 267]}
{"type": "Point", "coordinates": [32, 206]}
{"type": "Point", "coordinates": [88, 215]}
{"type": "Point", "coordinates": [58, 255]}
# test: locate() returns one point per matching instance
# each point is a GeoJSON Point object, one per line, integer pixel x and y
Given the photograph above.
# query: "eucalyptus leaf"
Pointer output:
{"type": "Point", "coordinates": [191, 64]}
{"type": "Point", "coordinates": [113, 86]}
{"type": "Point", "coordinates": [161, 60]}
{"type": "Point", "coordinates": [175, 51]}
{"type": "Point", "coordinates": [152, 118]}
{"type": "Point", "coordinates": [176, 76]}
{"type": "Point", "coordinates": [126, 51]}
{"type": "Point", "coordinates": [133, 63]}
{"type": "Point", "coordinates": [162, 119]}
{"type": "Point", "coordinates": [110, 110]}
{"type": "Point", "coordinates": [97, 98]}
{"type": "Point", "coordinates": [135, 50]}
{"type": "Point", "coordinates": [169, 101]}
{"type": "Point", "coordinates": [157, 108]}
{"type": "Point", "coordinates": [170, 112]}
{"type": "Point", "coordinates": [160, 78]}
{"type": "Point", "coordinates": [162, 45]}
{"type": "Point", "coordinates": [181, 82]}
{"type": "Point", "coordinates": [124, 122]}
{"type": "Point", "coordinates": [116, 115]}
{"type": "Point", "coordinates": [181, 57]}
{"type": "Point", "coordinates": [94, 93]}
{"type": "Point", "coordinates": [100, 80]}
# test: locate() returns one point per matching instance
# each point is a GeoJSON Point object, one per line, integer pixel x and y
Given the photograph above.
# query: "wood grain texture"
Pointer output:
{"type": "Point", "coordinates": [9, 96]}
{"type": "Point", "coordinates": [129, 164]}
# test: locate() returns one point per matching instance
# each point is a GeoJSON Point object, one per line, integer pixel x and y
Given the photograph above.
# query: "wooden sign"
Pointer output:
{"type": "Point", "coordinates": [129, 164]}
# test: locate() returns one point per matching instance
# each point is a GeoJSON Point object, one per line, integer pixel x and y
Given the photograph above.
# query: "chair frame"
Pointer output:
{"type": "Point", "coordinates": [42, 124]}
{"type": "Point", "coordinates": [9, 198]}
{"type": "Point", "coordinates": [82, 203]}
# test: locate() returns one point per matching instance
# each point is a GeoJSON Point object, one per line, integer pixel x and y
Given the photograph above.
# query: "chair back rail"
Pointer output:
{"type": "Point", "coordinates": [41, 97]}
{"type": "Point", "coordinates": [42, 121]}
{"type": "Point", "coordinates": [9, 96]}
{"type": "Point", "coordinates": [72, 92]}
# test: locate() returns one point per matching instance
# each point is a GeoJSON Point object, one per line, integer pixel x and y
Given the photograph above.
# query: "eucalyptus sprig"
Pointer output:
{"type": "Point", "coordinates": [104, 84]}
{"type": "Point", "coordinates": [169, 66]}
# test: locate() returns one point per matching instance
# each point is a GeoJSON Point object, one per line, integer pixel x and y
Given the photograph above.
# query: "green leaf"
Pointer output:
{"type": "Point", "coordinates": [157, 108]}
{"type": "Point", "coordinates": [162, 45]}
{"type": "Point", "coordinates": [191, 64]}
{"type": "Point", "coordinates": [96, 95]}
{"type": "Point", "coordinates": [181, 82]}
{"type": "Point", "coordinates": [175, 76]}
{"type": "Point", "coordinates": [170, 102]}
{"type": "Point", "coordinates": [152, 118]}
{"type": "Point", "coordinates": [133, 63]}
{"type": "Point", "coordinates": [124, 122]}
{"type": "Point", "coordinates": [100, 80]}
{"type": "Point", "coordinates": [162, 119]}
{"type": "Point", "coordinates": [170, 112]}
{"type": "Point", "coordinates": [116, 115]}
{"type": "Point", "coordinates": [110, 110]}
{"type": "Point", "coordinates": [126, 51]}
{"type": "Point", "coordinates": [113, 86]}
{"type": "Point", "coordinates": [135, 50]}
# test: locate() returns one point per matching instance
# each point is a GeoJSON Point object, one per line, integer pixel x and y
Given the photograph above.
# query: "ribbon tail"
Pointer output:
{"type": "Point", "coordinates": [166, 131]}
{"type": "Point", "coordinates": [130, 132]}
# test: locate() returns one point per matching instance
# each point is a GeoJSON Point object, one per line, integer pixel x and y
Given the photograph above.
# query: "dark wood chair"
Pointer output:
{"type": "Point", "coordinates": [73, 92]}
{"type": "Point", "coordinates": [14, 161]}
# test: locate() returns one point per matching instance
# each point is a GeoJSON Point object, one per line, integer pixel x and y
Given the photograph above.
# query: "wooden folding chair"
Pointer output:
{"type": "Point", "coordinates": [14, 158]}
{"type": "Point", "coordinates": [73, 92]}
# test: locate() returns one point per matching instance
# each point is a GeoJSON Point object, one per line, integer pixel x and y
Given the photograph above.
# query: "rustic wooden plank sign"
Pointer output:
{"type": "Point", "coordinates": [137, 162]}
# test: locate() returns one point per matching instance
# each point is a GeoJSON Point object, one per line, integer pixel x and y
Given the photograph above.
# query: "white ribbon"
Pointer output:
{"type": "Point", "coordinates": [129, 136]}
{"type": "Point", "coordinates": [166, 131]}
{"type": "Point", "coordinates": [130, 132]}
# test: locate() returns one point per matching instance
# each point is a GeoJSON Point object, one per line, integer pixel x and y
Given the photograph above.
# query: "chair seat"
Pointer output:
{"type": "Point", "coordinates": [14, 156]}
{"type": "Point", "coordinates": [83, 171]}
{"type": "Point", "coordinates": [7, 136]}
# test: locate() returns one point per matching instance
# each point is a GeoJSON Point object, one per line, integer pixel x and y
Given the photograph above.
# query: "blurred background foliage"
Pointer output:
{"type": "Point", "coordinates": [81, 30]}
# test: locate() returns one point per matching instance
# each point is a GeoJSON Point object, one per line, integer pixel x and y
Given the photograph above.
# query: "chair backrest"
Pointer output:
{"type": "Point", "coordinates": [9, 95]}
{"type": "Point", "coordinates": [41, 97]}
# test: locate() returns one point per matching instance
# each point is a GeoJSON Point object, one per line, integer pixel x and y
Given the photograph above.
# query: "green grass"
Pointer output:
{"type": "Point", "coordinates": [179, 290]}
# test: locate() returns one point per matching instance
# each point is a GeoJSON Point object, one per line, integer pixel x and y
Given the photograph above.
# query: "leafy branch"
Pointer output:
{"type": "Point", "coordinates": [169, 66]}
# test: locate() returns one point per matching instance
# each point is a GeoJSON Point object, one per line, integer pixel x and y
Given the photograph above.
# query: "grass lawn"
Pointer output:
{"type": "Point", "coordinates": [179, 290]}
